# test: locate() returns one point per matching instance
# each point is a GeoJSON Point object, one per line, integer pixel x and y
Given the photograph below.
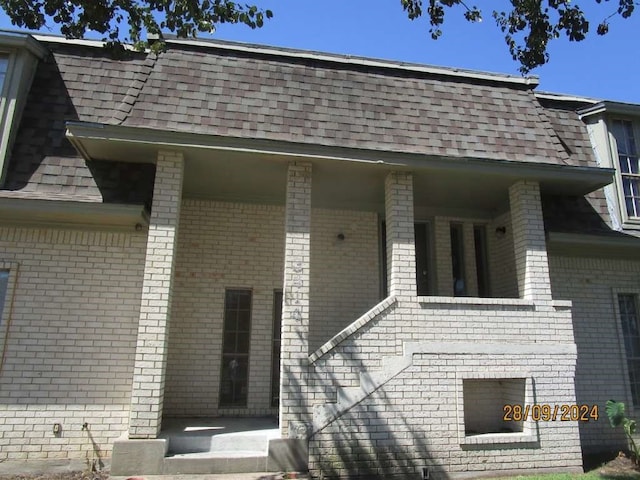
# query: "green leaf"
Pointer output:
{"type": "Point", "coordinates": [615, 412]}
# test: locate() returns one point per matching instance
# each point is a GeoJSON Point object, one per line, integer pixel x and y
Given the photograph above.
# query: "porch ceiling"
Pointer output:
{"type": "Point", "coordinates": [242, 176]}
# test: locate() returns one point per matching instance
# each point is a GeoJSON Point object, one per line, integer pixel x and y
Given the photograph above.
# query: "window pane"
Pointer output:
{"type": "Point", "coordinates": [624, 164]}
{"type": "Point", "coordinates": [235, 348]}
{"type": "Point", "coordinates": [275, 350]}
{"type": "Point", "coordinates": [4, 282]}
{"type": "Point", "coordinates": [627, 304]}
{"type": "Point", "coordinates": [623, 132]}
{"type": "Point", "coordinates": [233, 382]}
{"type": "Point", "coordinates": [457, 260]}
{"type": "Point", "coordinates": [4, 64]}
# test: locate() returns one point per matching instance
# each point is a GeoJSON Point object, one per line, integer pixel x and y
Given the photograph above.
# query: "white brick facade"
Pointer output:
{"type": "Point", "coordinates": [155, 306]}
{"type": "Point", "coordinates": [401, 252]}
{"type": "Point", "coordinates": [235, 245]}
{"type": "Point", "coordinates": [70, 341]}
{"type": "Point", "coordinates": [294, 369]}
{"type": "Point", "coordinates": [529, 245]}
{"type": "Point", "coordinates": [592, 285]}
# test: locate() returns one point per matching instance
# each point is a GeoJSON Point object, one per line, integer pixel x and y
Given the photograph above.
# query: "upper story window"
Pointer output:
{"type": "Point", "coordinates": [624, 131]}
{"type": "Point", "coordinates": [4, 65]}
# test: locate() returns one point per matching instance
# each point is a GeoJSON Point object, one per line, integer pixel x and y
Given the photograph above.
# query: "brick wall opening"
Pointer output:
{"type": "Point", "coordinates": [485, 401]}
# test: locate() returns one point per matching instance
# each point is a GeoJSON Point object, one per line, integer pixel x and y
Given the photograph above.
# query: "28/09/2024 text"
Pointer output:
{"type": "Point", "coordinates": [550, 413]}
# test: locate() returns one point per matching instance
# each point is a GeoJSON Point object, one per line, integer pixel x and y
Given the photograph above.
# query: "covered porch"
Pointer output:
{"type": "Point", "coordinates": [325, 237]}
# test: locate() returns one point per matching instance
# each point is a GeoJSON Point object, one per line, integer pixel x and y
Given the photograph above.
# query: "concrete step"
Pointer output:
{"type": "Point", "coordinates": [236, 437]}
{"type": "Point", "coordinates": [254, 441]}
{"type": "Point", "coordinates": [200, 464]}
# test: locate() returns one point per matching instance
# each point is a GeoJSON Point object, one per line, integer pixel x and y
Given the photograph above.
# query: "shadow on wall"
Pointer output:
{"type": "Point", "coordinates": [376, 449]}
{"type": "Point", "coordinates": [44, 161]}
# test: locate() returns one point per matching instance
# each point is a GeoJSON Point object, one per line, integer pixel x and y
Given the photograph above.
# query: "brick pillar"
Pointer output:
{"type": "Point", "coordinates": [155, 307]}
{"type": "Point", "coordinates": [401, 249]}
{"type": "Point", "coordinates": [532, 266]}
{"type": "Point", "coordinates": [295, 412]}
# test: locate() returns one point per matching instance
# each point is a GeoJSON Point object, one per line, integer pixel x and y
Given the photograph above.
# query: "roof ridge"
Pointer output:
{"type": "Point", "coordinates": [122, 111]}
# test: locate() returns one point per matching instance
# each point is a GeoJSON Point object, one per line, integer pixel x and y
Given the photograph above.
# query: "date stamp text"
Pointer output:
{"type": "Point", "coordinates": [545, 412]}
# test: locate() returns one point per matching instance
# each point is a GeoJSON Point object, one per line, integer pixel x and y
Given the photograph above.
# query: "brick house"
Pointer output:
{"type": "Point", "coordinates": [379, 255]}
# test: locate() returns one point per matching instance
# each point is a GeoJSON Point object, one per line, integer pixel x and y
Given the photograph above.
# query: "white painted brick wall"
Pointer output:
{"type": "Point", "coordinates": [502, 263]}
{"type": "Point", "coordinates": [345, 274]}
{"type": "Point", "coordinates": [412, 422]}
{"type": "Point", "coordinates": [222, 245]}
{"type": "Point", "coordinates": [155, 302]}
{"type": "Point", "coordinates": [399, 217]}
{"type": "Point", "coordinates": [242, 245]}
{"type": "Point", "coordinates": [591, 284]}
{"type": "Point", "coordinates": [529, 246]}
{"type": "Point", "coordinates": [71, 341]}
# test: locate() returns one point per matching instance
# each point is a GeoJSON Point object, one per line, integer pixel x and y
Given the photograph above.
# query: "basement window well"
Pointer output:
{"type": "Point", "coordinates": [487, 410]}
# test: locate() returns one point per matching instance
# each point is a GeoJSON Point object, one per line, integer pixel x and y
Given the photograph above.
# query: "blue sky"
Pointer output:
{"type": "Point", "coordinates": [602, 67]}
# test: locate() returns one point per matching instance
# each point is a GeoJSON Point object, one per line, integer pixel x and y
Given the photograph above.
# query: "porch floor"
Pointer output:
{"type": "Point", "coordinates": [219, 437]}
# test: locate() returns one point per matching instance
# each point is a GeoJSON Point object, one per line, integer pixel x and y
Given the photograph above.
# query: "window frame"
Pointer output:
{"type": "Point", "coordinates": [223, 405]}
{"type": "Point", "coordinates": [621, 341]}
{"type": "Point", "coordinates": [7, 307]}
{"type": "Point", "coordinates": [628, 221]}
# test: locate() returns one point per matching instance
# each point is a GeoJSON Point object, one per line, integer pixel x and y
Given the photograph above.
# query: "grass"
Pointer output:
{"type": "Point", "coordinates": [592, 475]}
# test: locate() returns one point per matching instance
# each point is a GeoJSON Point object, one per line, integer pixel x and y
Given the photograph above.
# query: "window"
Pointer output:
{"type": "Point", "coordinates": [482, 262]}
{"type": "Point", "coordinates": [7, 284]}
{"type": "Point", "coordinates": [4, 66]}
{"type": "Point", "coordinates": [424, 270]}
{"type": "Point", "coordinates": [235, 348]}
{"type": "Point", "coordinates": [4, 286]}
{"type": "Point", "coordinates": [628, 310]}
{"type": "Point", "coordinates": [457, 260]}
{"type": "Point", "coordinates": [275, 348]}
{"type": "Point", "coordinates": [623, 132]}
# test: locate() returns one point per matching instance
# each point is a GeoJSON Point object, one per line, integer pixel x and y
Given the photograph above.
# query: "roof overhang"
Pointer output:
{"type": "Point", "coordinates": [619, 245]}
{"type": "Point", "coordinates": [72, 214]}
{"type": "Point", "coordinates": [610, 107]}
{"type": "Point", "coordinates": [113, 142]}
{"type": "Point", "coordinates": [20, 40]}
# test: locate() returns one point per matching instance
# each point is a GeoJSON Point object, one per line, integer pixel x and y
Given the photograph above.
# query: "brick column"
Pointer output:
{"type": "Point", "coordinates": [401, 249]}
{"type": "Point", "coordinates": [532, 266]}
{"type": "Point", "coordinates": [155, 307]}
{"type": "Point", "coordinates": [295, 412]}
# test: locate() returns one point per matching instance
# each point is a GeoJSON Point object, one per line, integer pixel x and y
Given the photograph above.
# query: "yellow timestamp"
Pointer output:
{"type": "Point", "coordinates": [545, 412]}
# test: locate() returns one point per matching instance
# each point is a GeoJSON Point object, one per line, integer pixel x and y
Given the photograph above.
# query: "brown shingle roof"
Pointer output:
{"type": "Point", "coordinates": [75, 83]}
{"type": "Point", "coordinates": [213, 91]}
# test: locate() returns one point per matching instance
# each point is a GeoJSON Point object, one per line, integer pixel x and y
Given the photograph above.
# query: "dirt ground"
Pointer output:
{"type": "Point", "coordinates": [621, 467]}
{"type": "Point", "coordinates": [60, 476]}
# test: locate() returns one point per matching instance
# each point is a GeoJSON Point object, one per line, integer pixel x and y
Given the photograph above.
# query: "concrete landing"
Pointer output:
{"type": "Point", "coordinates": [201, 446]}
{"type": "Point", "coordinates": [219, 437]}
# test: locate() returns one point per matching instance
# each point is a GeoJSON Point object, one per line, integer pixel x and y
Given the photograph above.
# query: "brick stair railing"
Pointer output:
{"type": "Point", "coordinates": [370, 380]}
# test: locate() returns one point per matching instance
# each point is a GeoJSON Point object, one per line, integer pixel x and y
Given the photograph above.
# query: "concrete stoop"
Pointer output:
{"type": "Point", "coordinates": [217, 446]}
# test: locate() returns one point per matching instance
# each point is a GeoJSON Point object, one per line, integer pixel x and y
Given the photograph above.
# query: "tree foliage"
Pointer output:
{"type": "Point", "coordinates": [528, 25]}
{"type": "Point", "coordinates": [185, 18]}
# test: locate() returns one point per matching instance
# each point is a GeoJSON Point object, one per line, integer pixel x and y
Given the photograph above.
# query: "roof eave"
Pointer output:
{"type": "Point", "coordinates": [91, 138]}
{"type": "Point", "coordinates": [610, 107]}
{"type": "Point", "coordinates": [25, 41]}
